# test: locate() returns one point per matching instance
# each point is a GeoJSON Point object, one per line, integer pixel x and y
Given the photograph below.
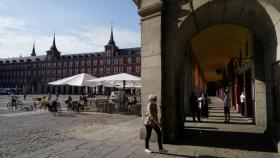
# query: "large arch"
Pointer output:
{"type": "Point", "coordinates": [167, 30]}
{"type": "Point", "coordinates": [260, 18]}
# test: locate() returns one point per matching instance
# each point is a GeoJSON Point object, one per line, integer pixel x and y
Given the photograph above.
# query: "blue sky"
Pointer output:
{"type": "Point", "coordinates": [80, 25]}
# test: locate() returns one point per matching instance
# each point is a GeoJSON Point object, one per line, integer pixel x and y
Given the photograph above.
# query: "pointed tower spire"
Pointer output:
{"type": "Point", "coordinates": [53, 47]}
{"type": "Point", "coordinates": [111, 41]}
{"type": "Point", "coordinates": [33, 49]}
{"type": "Point", "coordinates": [53, 53]}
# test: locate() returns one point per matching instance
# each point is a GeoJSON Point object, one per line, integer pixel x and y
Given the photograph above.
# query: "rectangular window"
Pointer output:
{"type": "Point", "coordinates": [120, 69]}
{"type": "Point", "coordinates": [108, 61]}
{"type": "Point", "coordinates": [76, 63]}
{"type": "Point", "coordinates": [138, 69]}
{"type": "Point", "coordinates": [101, 71]}
{"type": "Point", "coordinates": [89, 63]}
{"type": "Point", "coordinates": [83, 63]}
{"type": "Point", "coordinates": [82, 70]}
{"type": "Point", "coordinates": [138, 60]}
{"type": "Point", "coordinates": [95, 70]}
{"type": "Point", "coordinates": [101, 61]}
{"type": "Point", "coordinates": [94, 62]}
{"type": "Point", "coordinates": [108, 70]}
{"type": "Point", "coordinates": [116, 69]}
{"type": "Point", "coordinates": [128, 60]}
{"type": "Point", "coordinates": [121, 61]}
{"type": "Point", "coordinates": [115, 61]}
{"type": "Point", "coordinates": [129, 69]}
{"type": "Point", "coordinates": [89, 70]}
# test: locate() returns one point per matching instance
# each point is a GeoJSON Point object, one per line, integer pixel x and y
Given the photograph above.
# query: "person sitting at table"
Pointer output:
{"type": "Point", "coordinates": [134, 101]}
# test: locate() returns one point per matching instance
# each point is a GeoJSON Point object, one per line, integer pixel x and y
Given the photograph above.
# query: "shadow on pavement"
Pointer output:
{"type": "Point", "coordinates": [220, 122]}
{"type": "Point", "coordinates": [186, 156]}
{"type": "Point", "coordinates": [230, 140]}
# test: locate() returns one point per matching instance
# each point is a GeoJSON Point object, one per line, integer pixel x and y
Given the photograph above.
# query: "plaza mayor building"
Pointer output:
{"type": "Point", "coordinates": [33, 73]}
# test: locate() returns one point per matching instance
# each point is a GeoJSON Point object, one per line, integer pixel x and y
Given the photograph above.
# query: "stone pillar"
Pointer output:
{"type": "Point", "coordinates": [67, 90]}
{"type": "Point", "coordinates": [73, 90]}
{"type": "Point", "coordinates": [150, 12]}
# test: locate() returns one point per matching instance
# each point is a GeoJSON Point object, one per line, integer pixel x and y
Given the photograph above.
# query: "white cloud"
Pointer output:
{"type": "Point", "coordinates": [7, 23]}
{"type": "Point", "coordinates": [17, 39]}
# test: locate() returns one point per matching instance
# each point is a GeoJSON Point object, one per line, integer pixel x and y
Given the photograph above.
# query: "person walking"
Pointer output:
{"type": "Point", "coordinates": [151, 122]}
{"type": "Point", "coordinates": [242, 104]}
{"type": "Point", "coordinates": [57, 95]}
{"type": "Point", "coordinates": [24, 96]}
{"type": "Point", "coordinates": [201, 105]}
{"type": "Point", "coordinates": [194, 107]}
{"type": "Point", "coordinates": [205, 105]}
{"type": "Point", "coordinates": [227, 101]}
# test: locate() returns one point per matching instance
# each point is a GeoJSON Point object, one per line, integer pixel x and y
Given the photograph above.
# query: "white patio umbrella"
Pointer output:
{"type": "Point", "coordinates": [118, 79]}
{"type": "Point", "coordinates": [77, 80]}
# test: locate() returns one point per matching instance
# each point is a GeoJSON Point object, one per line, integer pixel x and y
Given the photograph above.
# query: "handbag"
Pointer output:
{"type": "Point", "coordinates": [148, 121]}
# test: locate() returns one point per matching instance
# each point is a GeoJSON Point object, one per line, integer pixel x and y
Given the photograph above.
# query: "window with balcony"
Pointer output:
{"type": "Point", "coordinates": [89, 63]}
{"type": "Point", "coordinates": [94, 62]}
{"type": "Point", "coordinates": [83, 63]}
{"type": "Point", "coordinates": [108, 70]}
{"type": "Point", "coordinates": [101, 70]}
{"type": "Point", "coordinates": [120, 69]}
{"type": "Point", "coordinates": [138, 69]}
{"type": "Point", "coordinates": [108, 61]}
{"type": "Point", "coordinates": [76, 63]}
{"type": "Point", "coordinates": [116, 69]}
{"type": "Point", "coordinates": [129, 69]}
{"type": "Point", "coordinates": [120, 60]}
{"type": "Point", "coordinates": [138, 60]}
{"type": "Point", "coordinates": [129, 60]}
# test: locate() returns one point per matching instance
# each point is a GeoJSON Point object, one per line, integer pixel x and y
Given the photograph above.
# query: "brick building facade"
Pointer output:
{"type": "Point", "coordinates": [32, 73]}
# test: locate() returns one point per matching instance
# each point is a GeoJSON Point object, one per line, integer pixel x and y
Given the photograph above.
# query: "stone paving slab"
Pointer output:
{"type": "Point", "coordinates": [134, 148]}
{"type": "Point", "coordinates": [115, 136]}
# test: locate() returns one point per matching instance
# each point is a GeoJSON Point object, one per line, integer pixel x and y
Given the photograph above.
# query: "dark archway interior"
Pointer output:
{"type": "Point", "coordinates": [264, 41]}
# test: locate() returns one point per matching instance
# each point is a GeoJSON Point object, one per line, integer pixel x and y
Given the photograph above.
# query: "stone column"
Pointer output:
{"type": "Point", "coordinates": [67, 90]}
{"type": "Point", "coordinates": [150, 12]}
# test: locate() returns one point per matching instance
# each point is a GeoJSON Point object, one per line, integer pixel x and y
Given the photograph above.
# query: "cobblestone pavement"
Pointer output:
{"type": "Point", "coordinates": [31, 131]}
{"type": "Point", "coordinates": [39, 134]}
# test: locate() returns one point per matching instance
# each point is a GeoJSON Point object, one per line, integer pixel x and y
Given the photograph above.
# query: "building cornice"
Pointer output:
{"type": "Point", "coordinates": [138, 2]}
{"type": "Point", "coordinates": [151, 9]}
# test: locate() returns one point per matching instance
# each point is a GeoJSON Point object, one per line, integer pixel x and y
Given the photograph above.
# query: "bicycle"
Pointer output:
{"type": "Point", "coordinates": [74, 106]}
{"type": "Point", "coordinates": [55, 107]}
{"type": "Point", "coordinates": [15, 102]}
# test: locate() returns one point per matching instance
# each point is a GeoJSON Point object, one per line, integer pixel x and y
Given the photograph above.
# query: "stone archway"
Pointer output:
{"type": "Point", "coordinates": [169, 26]}
{"type": "Point", "coordinates": [211, 14]}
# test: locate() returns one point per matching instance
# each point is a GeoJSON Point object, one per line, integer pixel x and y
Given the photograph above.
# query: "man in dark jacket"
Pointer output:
{"type": "Point", "coordinates": [194, 107]}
